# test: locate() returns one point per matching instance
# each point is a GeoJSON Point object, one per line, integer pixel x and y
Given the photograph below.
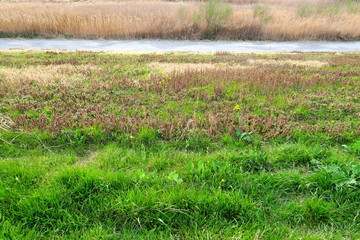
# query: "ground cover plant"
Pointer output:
{"type": "Point", "coordinates": [278, 20]}
{"type": "Point", "coordinates": [179, 146]}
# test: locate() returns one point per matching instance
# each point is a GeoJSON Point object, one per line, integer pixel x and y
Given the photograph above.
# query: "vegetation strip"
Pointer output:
{"type": "Point", "coordinates": [179, 146]}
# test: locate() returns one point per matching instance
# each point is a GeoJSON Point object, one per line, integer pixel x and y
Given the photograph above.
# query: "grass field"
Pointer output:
{"type": "Point", "coordinates": [179, 146]}
{"type": "Point", "coordinates": [278, 20]}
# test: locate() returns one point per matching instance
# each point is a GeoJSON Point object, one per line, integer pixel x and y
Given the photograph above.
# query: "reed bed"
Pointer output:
{"type": "Point", "coordinates": [276, 20]}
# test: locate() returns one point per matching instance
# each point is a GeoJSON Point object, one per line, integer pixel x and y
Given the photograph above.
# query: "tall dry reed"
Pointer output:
{"type": "Point", "coordinates": [260, 19]}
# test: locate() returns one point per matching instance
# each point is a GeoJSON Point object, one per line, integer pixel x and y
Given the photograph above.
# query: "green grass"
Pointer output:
{"type": "Point", "coordinates": [101, 146]}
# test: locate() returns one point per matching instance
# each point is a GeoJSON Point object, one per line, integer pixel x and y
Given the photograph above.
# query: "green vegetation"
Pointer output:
{"type": "Point", "coordinates": [20, 35]}
{"type": "Point", "coordinates": [112, 146]}
{"type": "Point", "coordinates": [262, 12]}
{"type": "Point", "coordinates": [332, 10]}
{"type": "Point", "coordinates": [215, 13]}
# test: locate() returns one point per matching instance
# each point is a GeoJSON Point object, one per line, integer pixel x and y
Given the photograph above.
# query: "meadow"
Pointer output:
{"type": "Point", "coordinates": [179, 146]}
{"type": "Point", "coordinates": [277, 20]}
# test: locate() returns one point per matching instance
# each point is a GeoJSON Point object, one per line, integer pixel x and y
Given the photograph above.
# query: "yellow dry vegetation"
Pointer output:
{"type": "Point", "coordinates": [261, 19]}
{"type": "Point", "coordinates": [51, 74]}
{"type": "Point", "coordinates": [123, 19]}
{"type": "Point", "coordinates": [303, 63]}
{"type": "Point", "coordinates": [5, 122]}
{"type": "Point", "coordinates": [183, 67]}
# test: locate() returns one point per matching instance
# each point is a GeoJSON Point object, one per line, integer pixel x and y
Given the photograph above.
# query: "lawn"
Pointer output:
{"type": "Point", "coordinates": [179, 146]}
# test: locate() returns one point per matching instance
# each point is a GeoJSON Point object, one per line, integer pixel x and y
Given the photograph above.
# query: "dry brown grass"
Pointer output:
{"type": "Point", "coordinates": [126, 20]}
{"type": "Point", "coordinates": [278, 19]}
{"type": "Point", "coordinates": [186, 67]}
{"type": "Point", "coordinates": [63, 74]}
{"type": "Point", "coordinates": [302, 63]}
{"type": "Point", "coordinates": [5, 122]}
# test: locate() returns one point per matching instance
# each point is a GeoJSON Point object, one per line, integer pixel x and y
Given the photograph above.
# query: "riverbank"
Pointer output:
{"type": "Point", "coordinates": [238, 20]}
